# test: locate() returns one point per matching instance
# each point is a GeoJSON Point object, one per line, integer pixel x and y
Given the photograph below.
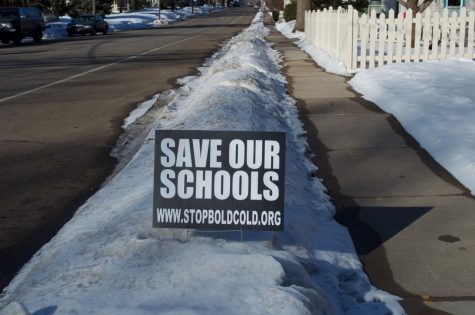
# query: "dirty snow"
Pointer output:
{"type": "Point", "coordinates": [139, 111]}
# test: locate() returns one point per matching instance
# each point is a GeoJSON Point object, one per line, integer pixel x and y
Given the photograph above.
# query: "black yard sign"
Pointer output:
{"type": "Point", "coordinates": [219, 180]}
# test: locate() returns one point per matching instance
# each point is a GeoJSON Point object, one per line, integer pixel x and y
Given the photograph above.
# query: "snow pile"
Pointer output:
{"type": "Point", "coordinates": [134, 20]}
{"type": "Point", "coordinates": [109, 260]}
{"type": "Point", "coordinates": [323, 59]}
{"type": "Point", "coordinates": [435, 102]}
{"type": "Point", "coordinates": [139, 111]}
{"type": "Point", "coordinates": [57, 29]}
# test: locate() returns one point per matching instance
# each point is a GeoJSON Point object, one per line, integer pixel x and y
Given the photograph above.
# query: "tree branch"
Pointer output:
{"type": "Point", "coordinates": [404, 3]}
{"type": "Point", "coordinates": [424, 5]}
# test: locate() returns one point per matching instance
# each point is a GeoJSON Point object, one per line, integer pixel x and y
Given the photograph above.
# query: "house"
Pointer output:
{"type": "Point", "coordinates": [383, 6]}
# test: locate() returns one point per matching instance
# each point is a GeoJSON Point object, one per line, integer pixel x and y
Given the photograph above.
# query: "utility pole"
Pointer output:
{"type": "Point", "coordinates": [94, 7]}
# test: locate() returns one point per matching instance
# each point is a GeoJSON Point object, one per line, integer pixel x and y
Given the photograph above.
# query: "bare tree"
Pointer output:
{"type": "Point", "coordinates": [416, 8]}
{"type": "Point", "coordinates": [302, 6]}
{"type": "Point", "coordinates": [413, 4]}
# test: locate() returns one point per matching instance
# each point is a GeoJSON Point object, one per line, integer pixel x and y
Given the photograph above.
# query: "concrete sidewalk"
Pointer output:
{"type": "Point", "coordinates": [412, 223]}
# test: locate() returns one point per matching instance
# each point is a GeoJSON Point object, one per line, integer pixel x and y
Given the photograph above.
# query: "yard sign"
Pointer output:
{"type": "Point", "coordinates": [219, 180]}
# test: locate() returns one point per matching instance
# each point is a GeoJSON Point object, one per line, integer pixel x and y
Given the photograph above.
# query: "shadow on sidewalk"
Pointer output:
{"type": "Point", "coordinates": [369, 227]}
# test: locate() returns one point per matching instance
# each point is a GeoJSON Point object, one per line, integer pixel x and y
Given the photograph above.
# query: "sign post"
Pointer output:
{"type": "Point", "coordinates": [224, 180]}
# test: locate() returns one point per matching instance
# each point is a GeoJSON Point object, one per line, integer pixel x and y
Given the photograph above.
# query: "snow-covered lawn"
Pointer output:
{"type": "Point", "coordinates": [109, 260]}
{"type": "Point", "coordinates": [145, 18]}
{"type": "Point", "coordinates": [434, 101]}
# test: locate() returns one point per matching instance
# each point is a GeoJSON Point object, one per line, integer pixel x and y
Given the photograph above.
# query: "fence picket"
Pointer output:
{"type": "Point", "coordinates": [307, 29]}
{"type": "Point", "coordinates": [316, 32]}
{"type": "Point", "coordinates": [470, 37]}
{"type": "Point", "coordinates": [363, 40]}
{"type": "Point", "coordinates": [330, 29]}
{"type": "Point", "coordinates": [408, 33]}
{"type": "Point", "coordinates": [338, 34]}
{"type": "Point", "coordinates": [382, 40]}
{"type": "Point", "coordinates": [435, 36]}
{"type": "Point", "coordinates": [356, 30]}
{"type": "Point", "coordinates": [399, 37]}
{"type": "Point", "coordinates": [417, 37]}
{"type": "Point", "coordinates": [309, 34]}
{"type": "Point", "coordinates": [427, 35]}
{"type": "Point", "coordinates": [373, 33]}
{"type": "Point", "coordinates": [463, 25]}
{"type": "Point", "coordinates": [349, 37]}
{"type": "Point", "coordinates": [391, 36]}
{"type": "Point", "coordinates": [453, 34]}
{"type": "Point", "coordinates": [444, 33]}
{"type": "Point", "coordinates": [319, 28]}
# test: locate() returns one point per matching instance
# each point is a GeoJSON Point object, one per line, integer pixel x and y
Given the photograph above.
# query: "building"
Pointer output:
{"type": "Point", "coordinates": [383, 6]}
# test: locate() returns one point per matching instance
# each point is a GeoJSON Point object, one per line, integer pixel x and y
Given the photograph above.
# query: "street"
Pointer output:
{"type": "Point", "coordinates": [62, 104]}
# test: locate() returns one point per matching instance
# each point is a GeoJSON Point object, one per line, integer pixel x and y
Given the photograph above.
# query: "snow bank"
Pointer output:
{"type": "Point", "coordinates": [57, 29]}
{"type": "Point", "coordinates": [139, 111]}
{"type": "Point", "coordinates": [109, 260]}
{"type": "Point", "coordinates": [435, 102]}
{"type": "Point", "coordinates": [142, 19]}
{"type": "Point", "coordinates": [323, 60]}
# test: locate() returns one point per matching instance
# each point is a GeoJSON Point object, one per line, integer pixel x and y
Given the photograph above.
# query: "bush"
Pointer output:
{"type": "Point", "coordinates": [290, 11]}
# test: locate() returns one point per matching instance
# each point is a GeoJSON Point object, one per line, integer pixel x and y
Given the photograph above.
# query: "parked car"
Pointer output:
{"type": "Point", "coordinates": [18, 23]}
{"type": "Point", "coordinates": [87, 24]}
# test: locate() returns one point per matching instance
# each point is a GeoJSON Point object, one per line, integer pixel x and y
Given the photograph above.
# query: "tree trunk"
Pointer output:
{"type": "Point", "coordinates": [302, 6]}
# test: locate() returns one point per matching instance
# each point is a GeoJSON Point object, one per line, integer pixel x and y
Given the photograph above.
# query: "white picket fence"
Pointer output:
{"type": "Point", "coordinates": [362, 41]}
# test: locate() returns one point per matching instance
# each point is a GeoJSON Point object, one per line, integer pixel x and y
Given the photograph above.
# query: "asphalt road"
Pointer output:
{"type": "Point", "coordinates": [62, 104]}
